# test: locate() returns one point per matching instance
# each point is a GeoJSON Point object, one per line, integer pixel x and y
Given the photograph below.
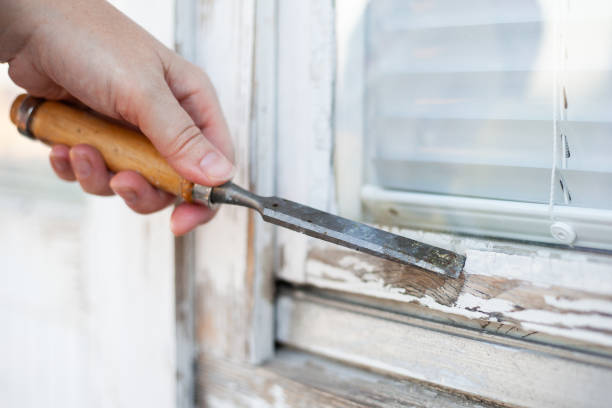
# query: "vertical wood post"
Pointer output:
{"type": "Point", "coordinates": [184, 274]}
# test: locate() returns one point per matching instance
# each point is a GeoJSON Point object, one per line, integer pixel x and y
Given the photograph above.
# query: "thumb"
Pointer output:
{"type": "Point", "coordinates": [175, 135]}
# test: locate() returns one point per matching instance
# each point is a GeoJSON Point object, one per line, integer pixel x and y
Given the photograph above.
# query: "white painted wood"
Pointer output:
{"type": "Point", "coordinates": [306, 67]}
{"type": "Point", "coordinates": [224, 278]}
{"type": "Point", "coordinates": [262, 163]}
{"type": "Point", "coordinates": [86, 303]}
{"type": "Point", "coordinates": [130, 263]}
{"type": "Point", "coordinates": [409, 347]}
{"type": "Point", "coordinates": [301, 380]}
{"type": "Point", "coordinates": [349, 101]}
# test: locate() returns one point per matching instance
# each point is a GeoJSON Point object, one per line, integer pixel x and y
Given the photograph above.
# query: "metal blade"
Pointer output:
{"type": "Point", "coordinates": [344, 232]}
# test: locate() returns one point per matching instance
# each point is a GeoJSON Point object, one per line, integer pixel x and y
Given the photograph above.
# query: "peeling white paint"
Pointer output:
{"type": "Point", "coordinates": [576, 326]}
{"type": "Point", "coordinates": [569, 320]}
{"type": "Point", "coordinates": [279, 396]}
{"type": "Point", "coordinates": [356, 264]}
{"type": "Point", "coordinates": [326, 276]}
{"type": "Point", "coordinates": [580, 305]}
{"type": "Point", "coordinates": [586, 335]}
{"type": "Point", "coordinates": [494, 305]}
{"type": "Point", "coordinates": [544, 268]}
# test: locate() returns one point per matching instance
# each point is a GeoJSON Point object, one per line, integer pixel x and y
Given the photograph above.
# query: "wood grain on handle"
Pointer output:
{"type": "Point", "coordinates": [122, 148]}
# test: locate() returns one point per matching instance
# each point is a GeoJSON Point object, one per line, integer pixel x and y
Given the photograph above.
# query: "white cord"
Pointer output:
{"type": "Point", "coordinates": [553, 173]}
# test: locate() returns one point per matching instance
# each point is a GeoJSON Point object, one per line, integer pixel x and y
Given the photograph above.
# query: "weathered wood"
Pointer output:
{"type": "Point", "coordinates": [349, 105]}
{"type": "Point", "coordinates": [545, 294]}
{"type": "Point", "coordinates": [506, 371]}
{"type": "Point", "coordinates": [293, 379]}
{"type": "Point", "coordinates": [185, 315]}
{"type": "Point", "coordinates": [224, 296]}
{"type": "Point", "coordinates": [262, 236]}
{"type": "Point", "coordinates": [306, 47]}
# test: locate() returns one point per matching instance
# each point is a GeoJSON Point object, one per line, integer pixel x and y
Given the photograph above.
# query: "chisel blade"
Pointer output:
{"type": "Point", "coordinates": [342, 231]}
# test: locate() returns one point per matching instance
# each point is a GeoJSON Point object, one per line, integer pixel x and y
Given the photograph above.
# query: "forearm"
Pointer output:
{"type": "Point", "coordinates": [21, 20]}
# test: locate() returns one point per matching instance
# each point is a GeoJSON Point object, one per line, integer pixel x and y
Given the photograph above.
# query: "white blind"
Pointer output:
{"type": "Point", "coordinates": [459, 98]}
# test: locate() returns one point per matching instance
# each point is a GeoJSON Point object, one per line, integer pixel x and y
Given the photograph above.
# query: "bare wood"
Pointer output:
{"type": "Point", "coordinates": [122, 148]}
{"type": "Point", "coordinates": [295, 379]}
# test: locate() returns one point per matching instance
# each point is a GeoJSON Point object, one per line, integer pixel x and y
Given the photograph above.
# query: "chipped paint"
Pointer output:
{"type": "Point", "coordinates": [581, 305]}
{"type": "Point", "coordinates": [542, 290]}
{"type": "Point", "coordinates": [545, 268]}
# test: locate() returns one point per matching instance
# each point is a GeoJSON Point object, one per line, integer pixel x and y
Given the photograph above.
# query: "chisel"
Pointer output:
{"type": "Point", "coordinates": [55, 122]}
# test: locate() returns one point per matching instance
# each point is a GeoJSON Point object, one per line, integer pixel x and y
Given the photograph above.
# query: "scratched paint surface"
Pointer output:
{"type": "Point", "coordinates": [519, 290]}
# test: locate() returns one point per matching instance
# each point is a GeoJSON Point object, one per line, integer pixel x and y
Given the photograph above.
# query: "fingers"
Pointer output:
{"type": "Point", "coordinates": [138, 194]}
{"type": "Point", "coordinates": [90, 170]}
{"type": "Point", "coordinates": [176, 136]}
{"type": "Point", "coordinates": [188, 216]}
{"type": "Point", "coordinates": [85, 164]}
{"type": "Point", "coordinates": [82, 163]}
{"type": "Point", "coordinates": [60, 162]}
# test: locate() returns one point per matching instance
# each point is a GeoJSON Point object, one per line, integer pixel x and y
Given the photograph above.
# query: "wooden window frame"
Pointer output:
{"type": "Point", "coordinates": [274, 67]}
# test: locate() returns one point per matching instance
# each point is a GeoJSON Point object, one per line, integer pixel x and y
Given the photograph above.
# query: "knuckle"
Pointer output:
{"type": "Point", "coordinates": [127, 100]}
{"type": "Point", "coordinates": [186, 140]}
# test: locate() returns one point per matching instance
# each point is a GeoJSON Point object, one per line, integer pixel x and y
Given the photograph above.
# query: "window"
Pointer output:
{"type": "Point", "coordinates": [468, 106]}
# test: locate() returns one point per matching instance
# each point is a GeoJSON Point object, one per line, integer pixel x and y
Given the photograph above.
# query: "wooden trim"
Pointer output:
{"type": "Point", "coordinates": [185, 28]}
{"type": "Point", "coordinates": [509, 372]}
{"type": "Point", "coordinates": [262, 236]}
{"type": "Point", "coordinates": [185, 315]}
{"type": "Point", "coordinates": [295, 379]}
{"type": "Point", "coordinates": [233, 252]}
{"type": "Point", "coordinates": [306, 74]}
{"type": "Point", "coordinates": [349, 95]}
{"type": "Point", "coordinates": [545, 294]}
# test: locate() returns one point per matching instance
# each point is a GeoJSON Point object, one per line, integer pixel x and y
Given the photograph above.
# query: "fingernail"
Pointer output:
{"type": "Point", "coordinates": [60, 164]}
{"type": "Point", "coordinates": [127, 194]}
{"type": "Point", "coordinates": [82, 166]}
{"type": "Point", "coordinates": [216, 166]}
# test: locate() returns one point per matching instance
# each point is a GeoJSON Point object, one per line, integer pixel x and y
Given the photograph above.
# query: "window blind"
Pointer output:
{"type": "Point", "coordinates": [462, 98]}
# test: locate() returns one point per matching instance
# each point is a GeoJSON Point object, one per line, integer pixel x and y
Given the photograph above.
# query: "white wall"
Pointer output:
{"type": "Point", "coordinates": [86, 299]}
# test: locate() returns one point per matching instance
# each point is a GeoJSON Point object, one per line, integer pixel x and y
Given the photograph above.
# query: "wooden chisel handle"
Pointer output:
{"type": "Point", "coordinates": [123, 149]}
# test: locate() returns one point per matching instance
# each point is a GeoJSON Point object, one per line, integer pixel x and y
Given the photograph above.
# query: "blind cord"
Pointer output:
{"type": "Point", "coordinates": [555, 155]}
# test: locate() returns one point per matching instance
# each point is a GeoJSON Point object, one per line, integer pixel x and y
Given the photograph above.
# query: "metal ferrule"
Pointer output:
{"type": "Point", "coordinates": [203, 195]}
{"type": "Point", "coordinates": [25, 113]}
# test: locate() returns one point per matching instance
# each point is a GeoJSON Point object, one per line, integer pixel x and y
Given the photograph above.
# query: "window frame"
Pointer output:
{"type": "Point", "coordinates": [274, 66]}
{"type": "Point", "coordinates": [582, 276]}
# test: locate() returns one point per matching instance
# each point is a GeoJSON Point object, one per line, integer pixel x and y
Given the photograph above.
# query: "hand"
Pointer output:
{"type": "Point", "coordinates": [89, 51]}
